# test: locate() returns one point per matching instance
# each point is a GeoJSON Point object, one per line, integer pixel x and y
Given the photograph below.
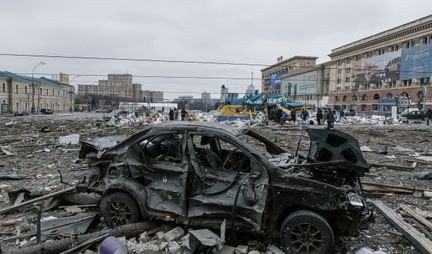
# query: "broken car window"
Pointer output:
{"type": "Point", "coordinates": [215, 153]}
{"type": "Point", "coordinates": [165, 147]}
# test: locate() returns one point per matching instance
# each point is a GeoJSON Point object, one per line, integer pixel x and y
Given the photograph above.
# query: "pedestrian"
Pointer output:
{"type": "Point", "coordinates": [183, 114]}
{"type": "Point", "coordinates": [330, 119]}
{"type": "Point", "coordinates": [171, 114]}
{"type": "Point", "coordinates": [176, 114]}
{"type": "Point", "coordinates": [293, 116]}
{"type": "Point", "coordinates": [319, 116]}
{"type": "Point", "coordinates": [341, 113]}
{"type": "Point", "coordinates": [428, 116]}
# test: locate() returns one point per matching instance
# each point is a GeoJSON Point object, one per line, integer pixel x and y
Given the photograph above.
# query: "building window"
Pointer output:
{"type": "Point", "coordinates": [347, 88]}
{"type": "Point", "coordinates": [364, 97]}
{"type": "Point", "coordinates": [338, 81]}
{"type": "Point", "coordinates": [376, 96]}
{"type": "Point", "coordinates": [347, 79]}
{"type": "Point", "coordinates": [53, 92]}
{"type": "Point", "coordinates": [337, 98]}
{"type": "Point", "coordinates": [389, 95]}
{"type": "Point", "coordinates": [40, 91]}
{"type": "Point", "coordinates": [363, 107]}
{"type": "Point", "coordinates": [25, 89]}
{"type": "Point", "coordinates": [375, 107]}
{"type": "Point", "coordinates": [16, 88]}
{"type": "Point", "coordinates": [339, 71]}
{"type": "Point", "coordinates": [404, 94]}
{"type": "Point", "coordinates": [47, 94]}
{"type": "Point", "coordinates": [348, 70]}
{"type": "Point", "coordinates": [425, 40]}
{"type": "Point", "coordinates": [344, 98]}
{"type": "Point", "coordinates": [17, 106]}
{"type": "Point", "coordinates": [4, 88]}
{"type": "Point", "coordinates": [338, 88]}
{"type": "Point", "coordinates": [420, 94]}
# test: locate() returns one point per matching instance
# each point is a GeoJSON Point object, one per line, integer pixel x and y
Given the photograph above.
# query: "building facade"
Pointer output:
{"type": "Point", "coordinates": [271, 76]}
{"type": "Point", "coordinates": [120, 86]}
{"type": "Point", "coordinates": [22, 93]}
{"type": "Point", "coordinates": [308, 85]}
{"type": "Point", "coordinates": [391, 68]}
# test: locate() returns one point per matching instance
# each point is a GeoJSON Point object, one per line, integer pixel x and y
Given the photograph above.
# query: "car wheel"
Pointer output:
{"type": "Point", "coordinates": [306, 232]}
{"type": "Point", "coordinates": [119, 209]}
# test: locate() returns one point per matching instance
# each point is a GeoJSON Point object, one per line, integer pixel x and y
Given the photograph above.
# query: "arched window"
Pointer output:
{"type": "Point", "coordinates": [404, 94]}
{"type": "Point", "coordinates": [376, 97]}
{"type": "Point", "coordinates": [364, 97]}
{"type": "Point", "coordinates": [420, 94]}
{"type": "Point", "coordinates": [337, 98]}
{"type": "Point", "coordinates": [389, 95]}
{"type": "Point", "coordinates": [344, 98]}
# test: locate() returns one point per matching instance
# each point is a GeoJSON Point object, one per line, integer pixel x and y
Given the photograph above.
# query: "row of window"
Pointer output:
{"type": "Point", "coordinates": [364, 97]}
{"type": "Point", "coordinates": [19, 106]}
{"type": "Point", "coordinates": [391, 48]}
{"type": "Point", "coordinates": [60, 93]}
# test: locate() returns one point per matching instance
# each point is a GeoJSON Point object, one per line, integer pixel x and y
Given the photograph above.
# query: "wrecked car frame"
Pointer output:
{"type": "Point", "coordinates": [202, 174]}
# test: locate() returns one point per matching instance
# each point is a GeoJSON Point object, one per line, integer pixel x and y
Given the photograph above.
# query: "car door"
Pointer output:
{"type": "Point", "coordinates": [233, 187]}
{"type": "Point", "coordinates": [165, 172]}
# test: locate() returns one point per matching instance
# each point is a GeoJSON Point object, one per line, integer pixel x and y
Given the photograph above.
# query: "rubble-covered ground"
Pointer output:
{"type": "Point", "coordinates": [30, 148]}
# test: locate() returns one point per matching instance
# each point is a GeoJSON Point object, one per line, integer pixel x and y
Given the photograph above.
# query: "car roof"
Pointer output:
{"type": "Point", "coordinates": [211, 126]}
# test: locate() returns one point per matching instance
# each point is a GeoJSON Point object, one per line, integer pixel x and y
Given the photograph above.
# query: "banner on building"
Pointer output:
{"type": "Point", "coordinates": [416, 62]}
{"type": "Point", "coordinates": [301, 84]}
{"type": "Point", "coordinates": [273, 84]}
{"type": "Point", "coordinates": [376, 69]}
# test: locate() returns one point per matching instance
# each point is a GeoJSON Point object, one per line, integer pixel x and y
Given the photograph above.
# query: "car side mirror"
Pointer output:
{"type": "Point", "coordinates": [248, 191]}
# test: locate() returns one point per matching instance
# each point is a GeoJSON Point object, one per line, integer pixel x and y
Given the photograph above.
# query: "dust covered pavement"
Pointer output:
{"type": "Point", "coordinates": [32, 153]}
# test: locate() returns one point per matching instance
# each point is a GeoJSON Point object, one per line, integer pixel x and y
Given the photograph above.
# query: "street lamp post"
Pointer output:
{"type": "Point", "coordinates": [33, 109]}
{"type": "Point", "coordinates": [71, 93]}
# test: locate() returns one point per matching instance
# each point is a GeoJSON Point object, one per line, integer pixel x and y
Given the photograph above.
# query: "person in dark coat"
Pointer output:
{"type": "Point", "coordinates": [330, 119]}
{"type": "Point", "coordinates": [183, 114]}
{"type": "Point", "coordinates": [171, 114]}
{"type": "Point", "coordinates": [319, 116]}
{"type": "Point", "coordinates": [428, 116]}
{"type": "Point", "coordinates": [293, 115]}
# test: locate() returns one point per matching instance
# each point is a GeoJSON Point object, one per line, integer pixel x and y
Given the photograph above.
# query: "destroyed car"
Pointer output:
{"type": "Point", "coordinates": [201, 175]}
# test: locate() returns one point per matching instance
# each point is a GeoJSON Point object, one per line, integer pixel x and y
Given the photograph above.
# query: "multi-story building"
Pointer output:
{"type": "Point", "coordinates": [152, 96]}
{"type": "Point", "coordinates": [121, 86]}
{"type": "Point", "coordinates": [309, 85]}
{"type": "Point", "coordinates": [390, 68]}
{"type": "Point", "coordinates": [19, 92]}
{"type": "Point", "coordinates": [250, 90]}
{"type": "Point", "coordinates": [271, 76]}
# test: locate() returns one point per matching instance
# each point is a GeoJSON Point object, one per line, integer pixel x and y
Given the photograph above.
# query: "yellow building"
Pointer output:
{"type": "Point", "coordinates": [22, 93]}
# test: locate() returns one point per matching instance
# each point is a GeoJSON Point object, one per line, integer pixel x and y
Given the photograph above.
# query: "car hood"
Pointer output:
{"type": "Point", "coordinates": [100, 145]}
{"type": "Point", "coordinates": [336, 148]}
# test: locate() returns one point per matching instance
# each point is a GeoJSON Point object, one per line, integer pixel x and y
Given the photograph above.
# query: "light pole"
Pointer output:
{"type": "Point", "coordinates": [33, 109]}
{"type": "Point", "coordinates": [71, 93]}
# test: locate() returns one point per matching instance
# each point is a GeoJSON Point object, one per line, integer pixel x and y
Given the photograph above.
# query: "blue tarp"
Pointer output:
{"type": "Point", "coordinates": [266, 100]}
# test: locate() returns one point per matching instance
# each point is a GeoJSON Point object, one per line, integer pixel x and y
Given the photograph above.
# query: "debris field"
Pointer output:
{"type": "Point", "coordinates": [39, 157]}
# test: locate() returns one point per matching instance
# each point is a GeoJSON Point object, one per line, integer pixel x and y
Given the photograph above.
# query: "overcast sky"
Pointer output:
{"type": "Point", "coordinates": [217, 30]}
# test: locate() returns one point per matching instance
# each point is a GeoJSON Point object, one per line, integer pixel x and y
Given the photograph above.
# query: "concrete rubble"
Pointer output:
{"type": "Point", "coordinates": [37, 163]}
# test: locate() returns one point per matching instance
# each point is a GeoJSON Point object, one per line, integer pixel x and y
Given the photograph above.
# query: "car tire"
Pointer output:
{"type": "Point", "coordinates": [119, 209]}
{"type": "Point", "coordinates": [306, 232]}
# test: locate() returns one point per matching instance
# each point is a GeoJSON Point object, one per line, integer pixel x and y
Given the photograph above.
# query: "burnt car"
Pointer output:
{"type": "Point", "coordinates": [201, 175]}
{"type": "Point", "coordinates": [46, 111]}
{"type": "Point", "coordinates": [21, 113]}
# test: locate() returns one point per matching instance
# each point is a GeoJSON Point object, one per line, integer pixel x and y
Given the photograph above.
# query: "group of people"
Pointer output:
{"type": "Point", "coordinates": [173, 114]}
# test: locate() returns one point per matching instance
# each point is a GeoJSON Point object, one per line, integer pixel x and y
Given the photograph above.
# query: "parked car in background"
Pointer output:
{"type": "Point", "coordinates": [46, 111]}
{"type": "Point", "coordinates": [21, 113]}
{"type": "Point", "coordinates": [413, 115]}
{"type": "Point", "coordinates": [203, 174]}
{"type": "Point", "coordinates": [349, 112]}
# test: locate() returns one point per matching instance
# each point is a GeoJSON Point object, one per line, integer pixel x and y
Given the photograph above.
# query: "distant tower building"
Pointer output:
{"type": "Point", "coordinates": [250, 90]}
{"type": "Point", "coordinates": [224, 94]}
